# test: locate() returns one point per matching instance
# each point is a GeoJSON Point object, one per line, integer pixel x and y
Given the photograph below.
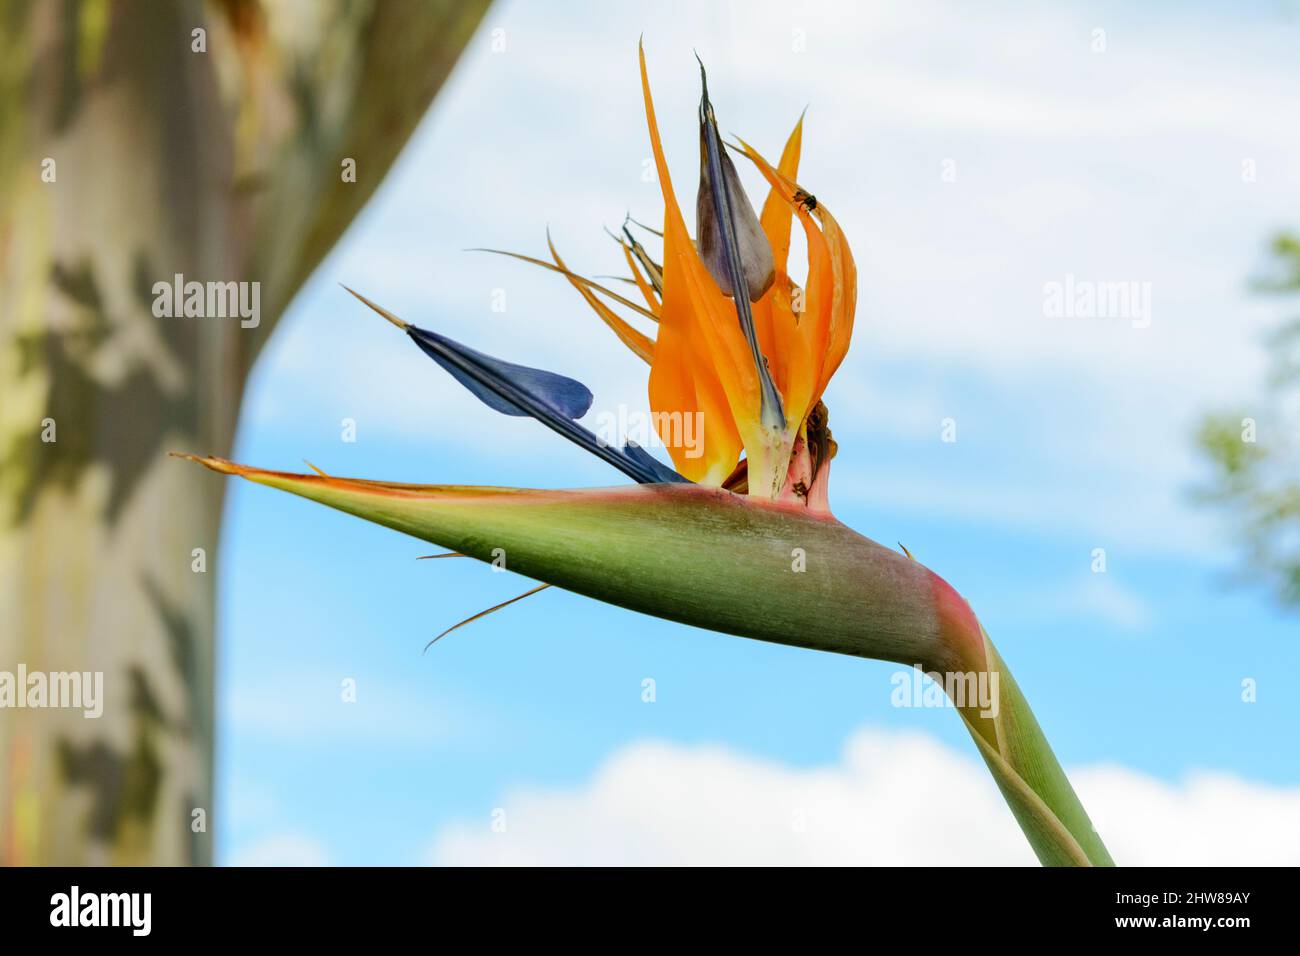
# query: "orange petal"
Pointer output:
{"type": "Point", "coordinates": [776, 211]}
{"type": "Point", "coordinates": [701, 359]}
{"type": "Point", "coordinates": [845, 300]}
{"type": "Point", "coordinates": [647, 290]}
{"type": "Point", "coordinates": [686, 393]}
{"type": "Point", "coordinates": [638, 342]}
{"type": "Point", "coordinates": [804, 343]}
{"type": "Point", "coordinates": [774, 308]}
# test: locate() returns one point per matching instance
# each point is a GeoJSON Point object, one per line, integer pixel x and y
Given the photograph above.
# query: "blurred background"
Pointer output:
{"type": "Point", "coordinates": [1120, 503]}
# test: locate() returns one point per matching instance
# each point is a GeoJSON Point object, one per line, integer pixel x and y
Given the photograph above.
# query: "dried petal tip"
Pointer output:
{"type": "Point", "coordinates": [400, 323]}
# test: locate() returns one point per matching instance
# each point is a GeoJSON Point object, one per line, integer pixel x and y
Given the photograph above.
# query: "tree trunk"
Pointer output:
{"type": "Point", "coordinates": [133, 149]}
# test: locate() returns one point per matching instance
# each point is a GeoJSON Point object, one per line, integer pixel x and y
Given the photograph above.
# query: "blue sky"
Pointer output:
{"type": "Point", "coordinates": [1122, 164]}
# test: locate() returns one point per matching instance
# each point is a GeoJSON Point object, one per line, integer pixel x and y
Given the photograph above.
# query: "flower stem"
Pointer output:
{"type": "Point", "coordinates": [1030, 777]}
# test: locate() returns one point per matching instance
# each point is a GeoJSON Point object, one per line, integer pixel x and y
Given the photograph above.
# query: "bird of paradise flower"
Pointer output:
{"type": "Point", "coordinates": [708, 542]}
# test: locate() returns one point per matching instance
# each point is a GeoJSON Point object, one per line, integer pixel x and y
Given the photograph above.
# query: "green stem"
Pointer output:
{"type": "Point", "coordinates": [1030, 777]}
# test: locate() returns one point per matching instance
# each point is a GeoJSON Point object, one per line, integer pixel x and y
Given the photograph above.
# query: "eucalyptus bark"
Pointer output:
{"type": "Point", "coordinates": [133, 149]}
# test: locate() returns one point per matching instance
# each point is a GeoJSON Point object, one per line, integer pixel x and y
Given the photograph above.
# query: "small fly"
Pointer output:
{"type": "Point", "coordinates": [805, 199]}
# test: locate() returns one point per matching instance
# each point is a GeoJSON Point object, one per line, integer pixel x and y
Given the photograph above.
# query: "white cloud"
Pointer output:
{"type": "Point", "coordinates": [282, 849]}
{"type": "Point", "coordinates": [893, 799]}
{"type": "Point", "coordinates": [1101, 599]}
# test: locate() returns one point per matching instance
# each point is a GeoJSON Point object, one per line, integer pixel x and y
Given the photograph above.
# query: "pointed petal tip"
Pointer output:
{"type": "Point", "coordinates": [224, 466]}
{"type": "Point", "coordinates": [400, 323]}
{"type": "Point", "coordinates": [211, 462]}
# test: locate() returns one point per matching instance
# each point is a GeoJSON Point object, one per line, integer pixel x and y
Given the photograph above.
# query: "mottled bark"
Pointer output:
{"type": "Point", "coordinates": [126, 157]}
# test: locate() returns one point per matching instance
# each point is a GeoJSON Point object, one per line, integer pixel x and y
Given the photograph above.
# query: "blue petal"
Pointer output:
{"type": "Point", "coordinates": [565, 396]}
{"type": "Point", "coordinates": [653, 468]}
{"type": "Point", "coordinates": [553, 400]}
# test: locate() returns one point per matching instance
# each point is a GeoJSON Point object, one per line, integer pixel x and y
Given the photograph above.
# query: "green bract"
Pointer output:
{"type": "Point", "coordinates": [730, 563]}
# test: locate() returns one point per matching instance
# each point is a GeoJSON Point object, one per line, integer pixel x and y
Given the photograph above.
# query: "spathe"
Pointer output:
{"type": "Point", "coordinates": [712, 559]}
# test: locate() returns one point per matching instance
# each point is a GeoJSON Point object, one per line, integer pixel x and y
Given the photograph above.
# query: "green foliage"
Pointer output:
{"type": "Point", "coordinates": [1255, 452]}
